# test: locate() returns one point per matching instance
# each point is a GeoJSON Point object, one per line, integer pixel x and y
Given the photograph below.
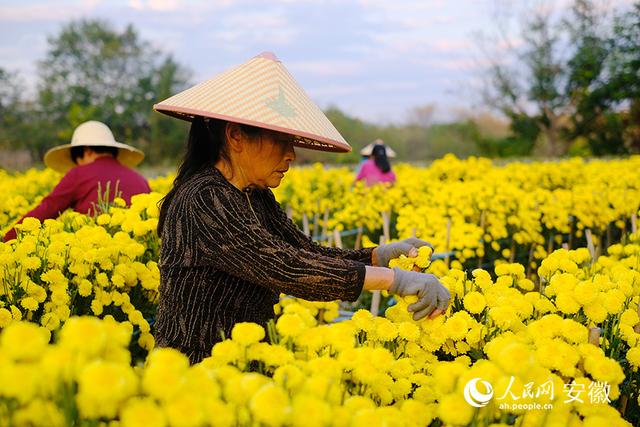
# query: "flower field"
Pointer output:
{"type": "Point", "coordinates": [542, 261]}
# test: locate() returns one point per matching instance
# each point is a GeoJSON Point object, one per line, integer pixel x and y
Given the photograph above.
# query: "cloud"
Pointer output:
{"type": "Point", "coordinates": [442, 20]}
{"type": "Point", "coordinates": [449, 45]}
{"type": "Point", "coordinates": [91, 3]}
{"type": "Point", "coordinates": [44, 12]}
{"type": "Point", "coordinates": [402, 6]}
{"type": "Point", "coordinates": [362, 87]}
{"type": "Point", "coordinates": [422, 43]}
{"type": "Point", "coordinates": [137, 4]}
{"type": "Point", "coordinates": [232, 38]}
{"type": "Point", "coordinates": [420, 28]}
{"type": "Point", "coordinates": [266, 28]}
{"type": "Point", "coordinates": [163, 5]}
{"type": "Point", "coordinates": [172, 5]}
{"type": "Point", "coordinates": [327, 68]}
{"type": "Point", "coordinates": [455, 64]}
{"type": "Point", "coordinates": [254, 19]}
{"type": "Point", "coordinates": [347, 51]}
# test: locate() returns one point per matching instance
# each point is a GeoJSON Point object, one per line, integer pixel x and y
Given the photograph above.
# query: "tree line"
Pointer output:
{"type": "Point", "coordinates": [571, 86]}
{"type": "Point", "coordinates": [91, 71]}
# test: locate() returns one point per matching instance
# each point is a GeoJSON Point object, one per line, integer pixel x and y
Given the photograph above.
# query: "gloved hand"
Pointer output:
{"type": "Point", "coordinates": [389, 251]}
{"type": "Point", "coordinates": [431, 293]}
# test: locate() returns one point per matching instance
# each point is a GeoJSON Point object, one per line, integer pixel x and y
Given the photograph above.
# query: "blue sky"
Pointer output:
{"type": "Point", "coordinates": [375, 59]}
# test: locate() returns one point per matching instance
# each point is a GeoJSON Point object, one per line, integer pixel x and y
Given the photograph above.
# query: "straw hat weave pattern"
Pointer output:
{"type": "Point", "coordinates": [368, 149]}
{"type": "Point", "coordinates": [261, 93]}
{"type": "Point", "coordinates": [91, 134]}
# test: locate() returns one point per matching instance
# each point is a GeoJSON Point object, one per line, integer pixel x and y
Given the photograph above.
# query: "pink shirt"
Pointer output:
{"type": "Point", "coordinates": [372, 175]}
{"type": "Point", "coordinates": [78, 189]}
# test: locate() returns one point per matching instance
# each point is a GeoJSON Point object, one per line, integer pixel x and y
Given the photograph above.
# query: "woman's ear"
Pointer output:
{"type": "Point", "coordinates": [234, 135]}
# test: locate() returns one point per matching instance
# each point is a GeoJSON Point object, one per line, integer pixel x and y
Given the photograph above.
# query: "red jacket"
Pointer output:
{"type": "Point", "coordinates": [78, 189]}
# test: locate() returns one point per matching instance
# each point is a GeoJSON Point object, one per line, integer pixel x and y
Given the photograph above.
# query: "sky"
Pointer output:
{"type": "Point", "coordinates": [374, 59]}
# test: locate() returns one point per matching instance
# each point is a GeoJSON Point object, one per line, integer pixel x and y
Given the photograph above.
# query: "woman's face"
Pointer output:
{"type": "Point", "coordinates": [267, 158]}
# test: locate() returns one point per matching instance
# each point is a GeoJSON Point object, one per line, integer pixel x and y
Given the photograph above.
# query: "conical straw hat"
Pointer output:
{"type": "Point", "coordinates": [368, 149]}
{"type": "Point", "coordinates": [87, 134]}
{"type": "Point", "coordinates": [260, 93]}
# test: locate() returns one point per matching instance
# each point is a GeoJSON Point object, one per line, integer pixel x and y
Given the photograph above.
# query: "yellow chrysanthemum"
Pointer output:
{"type": "Point", "coordinates": [633, 357]}
{"type": "Point", "coordinates": [454, 410]}
{"type": "Point", "coordinates": [103, 387]}
{"type": "Point", "coordinates": [23, 341]}
{"type": "Point", "coordinates": [290, 325]}
{"type": "Point", "coordinates": [5, 317]}
{"type": "Point", "coordinates": [270, 405]}
{"type": "Point", "coordinates": [142, 412]}
{"type": "Point", "coordinates": [247, 333]}
{"type": "Point", "coordinates": [474, 302]}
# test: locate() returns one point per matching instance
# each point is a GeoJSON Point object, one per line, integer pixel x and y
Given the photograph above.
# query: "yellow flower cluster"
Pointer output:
{"type": "Point", "coordinates": [312, 311]}
{"type": "Point", "coordinates": [519, 211]}
{"type": "Point", "coordinates": [356, 372]}
{"type": "Point", "coordinates": [527, 328]}
{"type": "Point", "coordinates": [90, 354]}
{"type": "Point", "coordinates": [22, 192]}
{"type": "Point", "coordinates": [75, 266]}
{"type": "Point", "coordinates": [363, 371]}
{"type": "Point", "coordinates": [419, 262]}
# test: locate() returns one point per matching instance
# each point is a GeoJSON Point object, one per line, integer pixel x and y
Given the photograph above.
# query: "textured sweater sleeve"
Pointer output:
{"type": "Point", "coordinates": [229, 236]}
{"type": "Point", "coordinates": [294, 236]}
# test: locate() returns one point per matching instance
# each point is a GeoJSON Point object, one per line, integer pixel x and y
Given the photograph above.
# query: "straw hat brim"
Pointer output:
{"type": "Point", "coordinates": [368, 149]}
{"type": "Point", "coordinates": [59, 158]}
{"type": "Point", "coordinates": [302, 139]}
{"type": "Point", "coordinates": [261, 93]}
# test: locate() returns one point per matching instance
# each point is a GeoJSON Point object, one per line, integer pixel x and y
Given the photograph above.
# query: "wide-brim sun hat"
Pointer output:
{"type": "Point", "coordinates": [91, 134]}
{"type": "Point", "coordinates": [261, 93]}
{"type": "Point", "coordinates": [368, 149]}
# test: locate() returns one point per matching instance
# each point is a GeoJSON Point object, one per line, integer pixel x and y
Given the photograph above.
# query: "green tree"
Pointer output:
{"type": "Point", "coordinates": [16, 123]}
{"type": "Point", "coordinates": [592, 120]}
{"type": "Point", "coordinates": [519, 144]}
{"type": "Point", "coordinates": [418, 140]}
{"type": "Point", "coordinates": [12, 108]}
{"type": "Point", "coordinates": [528, 83]}
{"type": "Point", "coordinates": [606, 83]}
{"type": "Point", "coordinates": [622, 89]}
{"type": "Point", "coordinates": [576, 79]}
{"type": "Point", "coordinates": [93, 71]}
{"type": "Point", "coordinates": [357, 133]}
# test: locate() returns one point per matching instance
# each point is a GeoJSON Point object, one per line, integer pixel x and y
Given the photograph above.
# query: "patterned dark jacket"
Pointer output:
{"type": "Point", "coordinates": [227, 255]}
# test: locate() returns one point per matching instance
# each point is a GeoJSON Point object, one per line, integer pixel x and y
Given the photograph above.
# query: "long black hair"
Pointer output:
{"type": "Point", "coordinates": [379, 154]}
{"type": "Point", "coordinates": [206, 145]}
{"type": "Point", "coordinates": [78, 151]}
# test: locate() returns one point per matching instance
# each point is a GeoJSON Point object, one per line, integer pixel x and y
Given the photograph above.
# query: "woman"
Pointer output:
{"type": "Point", "coordinates": [228, 249]}
{"type": "Point", "coordinates": [377, 169]}
{"type": "Point", "coordinates": [91, 164]}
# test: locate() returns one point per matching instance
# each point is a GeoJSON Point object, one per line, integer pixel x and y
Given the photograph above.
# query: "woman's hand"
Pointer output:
{"type": "Point", "coordinates": [385, 253]}
{"type": "Point", "coordinates": [433, 297]}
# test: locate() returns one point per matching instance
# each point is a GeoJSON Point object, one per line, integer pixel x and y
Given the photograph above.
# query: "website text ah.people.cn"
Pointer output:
{"type": "Point", "coordinates": [530, 397]}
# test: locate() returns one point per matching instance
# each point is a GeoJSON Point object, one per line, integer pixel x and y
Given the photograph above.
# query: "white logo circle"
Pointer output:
{"type": "Point", "coordinates": [474, 397]}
